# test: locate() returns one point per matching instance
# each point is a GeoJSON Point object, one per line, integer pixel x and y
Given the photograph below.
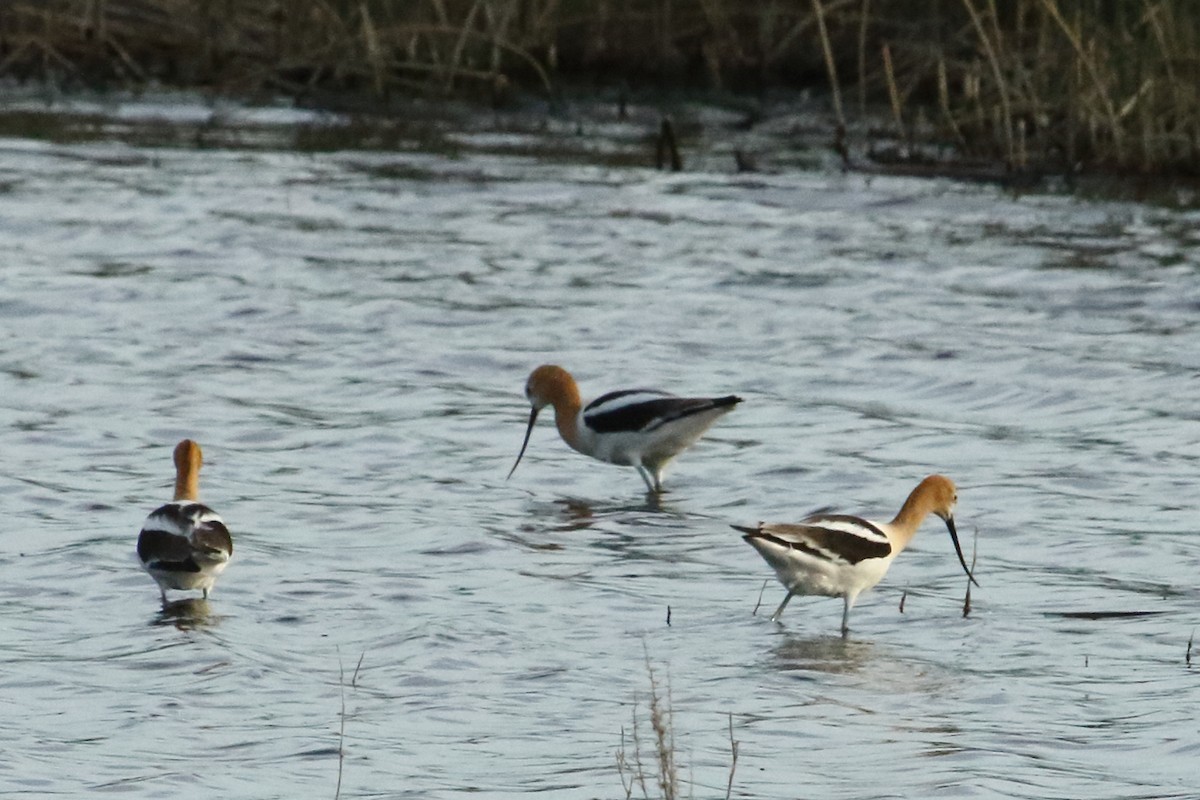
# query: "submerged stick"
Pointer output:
{"type": "Point", "coordinates": [733, 747]}
{"type": "Point", "coordinates": [667, 147]}
{"type": "Point", "coordinates": [758, 605]}
{"type": "Point", "coordinates": [337, 793]}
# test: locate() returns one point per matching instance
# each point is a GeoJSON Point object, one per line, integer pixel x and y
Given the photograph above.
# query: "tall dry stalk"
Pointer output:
{"type": "Point", "coordinates": [666, 770]}
{"type": "Point", "coordinates": [990, 49]}
{"type": "Point", "coordinates": [889, 73]}
{"type": "Point", "coordinates": [1086, 83]}
{"type": "Point", "coordinates": [831, 66]}
{"type": "Point", "coordinates": [1074, 35]}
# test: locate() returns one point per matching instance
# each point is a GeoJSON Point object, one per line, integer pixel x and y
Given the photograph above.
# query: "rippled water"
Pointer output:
{"type": "Point", "coordinates": [348, 333]}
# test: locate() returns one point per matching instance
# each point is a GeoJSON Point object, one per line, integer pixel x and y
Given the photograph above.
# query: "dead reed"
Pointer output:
{"type": "Point", "coordinates": [1029, 85]}
{"type": "Point", "coordinates": [662, 776]}
{"type": "Point", "coordinates": [665, 771]}
{"type": "Point", "coordinates": [337, 793]}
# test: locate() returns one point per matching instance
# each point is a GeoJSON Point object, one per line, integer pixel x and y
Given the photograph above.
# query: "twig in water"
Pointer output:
{"type": "Point", "coordinates": [1188, 657]}
{"type": "Point", "coordinates": [667, 147]}
{"type": "Point", "coordinates": [733, 746]}
{"type": "Point", "coordinates": [337, 793]}
{"type": "Point", "coordinates": [342, 716]}
{"type": "Point", "coordinates": [903, 597]}
{"type": "Point", "coordinates": [744, 162]}
{"type": "Point", "coordinates": [757, 605]}
{"type": "Point", "coordinates": [668, 616]}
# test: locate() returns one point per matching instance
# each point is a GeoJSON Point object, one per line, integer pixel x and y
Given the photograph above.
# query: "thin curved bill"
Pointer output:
{"type": "Point", "coordinates": [532, 419]}
{"type": "Point", "coordinates": [957, 549]}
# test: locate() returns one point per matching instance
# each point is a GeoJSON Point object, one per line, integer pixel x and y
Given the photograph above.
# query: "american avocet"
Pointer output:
{"type": "Point", "coordinates": [184, 544]}
{"type": "Point", "coordinates": [837, 555]}
{"type": "Point", "coordinates": [641, 428]}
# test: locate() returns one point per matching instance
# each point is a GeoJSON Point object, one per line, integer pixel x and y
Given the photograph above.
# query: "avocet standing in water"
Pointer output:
{"type": "Point", "coordinates": [184, 544]}
{"type": "Point", "coordinates": [837, 555]}
{"type": "Point", "coordinates": [641, 428]}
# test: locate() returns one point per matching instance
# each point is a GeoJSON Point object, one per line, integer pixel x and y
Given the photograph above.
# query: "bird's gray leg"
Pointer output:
{"type": "Point", "coordinates": [650, 485]}
{"type": "Point", "coordinates": [783, 605]}
{"type": "Point", "coordinates": [846, 616]}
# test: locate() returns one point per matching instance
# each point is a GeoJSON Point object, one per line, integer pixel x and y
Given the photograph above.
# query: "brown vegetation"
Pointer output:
{"type": "Point", "coordinates": [1031, 85]}
{"type": "Point", "coordinates": [663, 774]}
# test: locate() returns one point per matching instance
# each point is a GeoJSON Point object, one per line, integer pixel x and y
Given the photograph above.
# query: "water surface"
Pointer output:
{"type": "Point", "coordinates": [347, 333]}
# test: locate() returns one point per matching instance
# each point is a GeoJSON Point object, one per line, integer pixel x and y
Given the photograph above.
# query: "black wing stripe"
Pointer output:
{"type": "Point", "coordinates": [156, 546]}
{"type": "Point", "coordinates": [825, 543]}
{"type": "Point", "coordinates": [849, 547]}
{"type": "Point", "coordinates": [608, 398]}
{"type": "Point", "coordinates": [847, 519]}
{"type": "Point", "coordinates": [651, 414]}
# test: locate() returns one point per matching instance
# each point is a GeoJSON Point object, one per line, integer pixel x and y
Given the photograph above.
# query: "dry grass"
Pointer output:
{"type": "Point", "coordinates": [1063, 85]}
{"type": "Point", "coordinates": [337, 793]}
{"type": "Point", "coordinates": [659, 779]}
{"type": "Point", "coordinates": [664, 773]}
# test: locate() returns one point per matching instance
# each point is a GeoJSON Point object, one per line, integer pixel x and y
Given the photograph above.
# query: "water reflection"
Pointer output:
{"type": "Point", "coordinates": [576, 514]}
{"type": "Point", "coordinates": [579, 513]}
{"type": "Point", "coordinates": [188, 614]}
{"type": "Point", "coordinates": [825, 653]}
{"type": "Point", "coordinates": [1067, 407]}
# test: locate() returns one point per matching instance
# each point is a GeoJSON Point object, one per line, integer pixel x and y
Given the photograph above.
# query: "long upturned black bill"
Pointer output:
{"type": "Point", "coordinates": [532, 419]}
{"type": "Point", "coordinates": [957, 549]}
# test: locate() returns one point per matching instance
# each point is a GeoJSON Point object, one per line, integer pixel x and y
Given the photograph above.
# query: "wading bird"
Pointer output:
{"type": "Point", "coordinates": [641, 428]}
{"type": "Point", "coordinates": [837, 555]}
{"type": "Point", "coordinates": [184, 544]}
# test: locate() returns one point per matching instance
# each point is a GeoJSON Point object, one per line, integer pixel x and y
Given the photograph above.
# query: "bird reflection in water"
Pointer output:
{"type": "Point", "coordinates": [576, 514]}
{"type": "Point", "coordinates": [187, 614]}
{"type": "Point", "coordinates": [579, 513]}
{"type": "Point", "coordinates": [830, 654]}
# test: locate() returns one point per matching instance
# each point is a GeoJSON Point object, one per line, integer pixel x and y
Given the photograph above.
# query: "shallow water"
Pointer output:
{"type": "Point", "coordinates": [348, 333]}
